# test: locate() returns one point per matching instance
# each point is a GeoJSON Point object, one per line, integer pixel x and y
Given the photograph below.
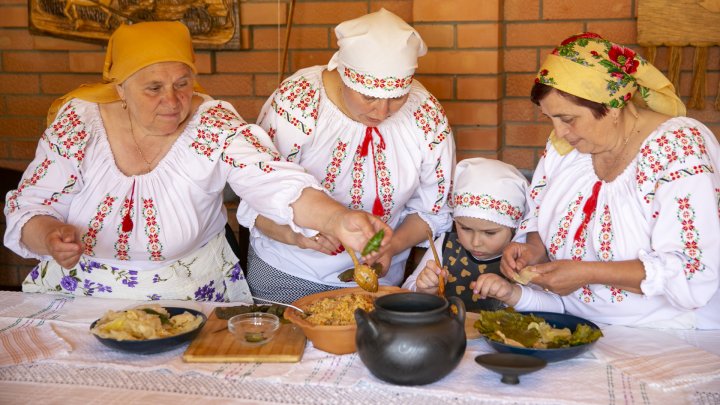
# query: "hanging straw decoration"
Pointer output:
{"type": "Point", "coordinates": [675, 25]}
{"type": "Point", "coordinates": [650, 53]}
{"type": "Point", "coordinates": [674, 67]}
{"type": "Point", "coordinates": [697, 92]}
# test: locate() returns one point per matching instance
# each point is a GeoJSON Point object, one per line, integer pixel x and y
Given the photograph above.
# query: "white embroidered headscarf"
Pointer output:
{"type": "Point", "coordinates": [489, 189]}
{"type": "Point", "coordinates": [377, 54]}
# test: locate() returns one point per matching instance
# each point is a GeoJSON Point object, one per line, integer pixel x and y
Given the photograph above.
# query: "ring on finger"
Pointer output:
{"type": "Point", "coordinates": [317, 237]}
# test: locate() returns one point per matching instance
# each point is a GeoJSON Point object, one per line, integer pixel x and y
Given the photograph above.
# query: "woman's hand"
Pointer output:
{"type": "Point", "coordinates": [406, 235]}
{"type": "Point", "coordinates": [321, 242]}
{"type": "Point", "coordinates": [384, 258]}
{"type": "Point", "coordinates": [562, 276]}
{"type": "Point", "coordinates": [64, 246]}
{"type": "Point", "coordinates": [355, 228]}
{"type": "Point", "coordinates": [428, 280]}
{"type": "Point", "coordinates": [517, 256]}
{"type": "Point", "coordinates": [492, 285]}
{"type": "Point", "coordinates": [45, 235]}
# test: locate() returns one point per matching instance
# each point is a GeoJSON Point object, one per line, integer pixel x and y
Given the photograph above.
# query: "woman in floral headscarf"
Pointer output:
{"type": "Point", "coordinates": [124, 196]}
{"type": "Point", "coordinates": [374, 138]}
{"type": "Point", "coordinates": [623, 222]}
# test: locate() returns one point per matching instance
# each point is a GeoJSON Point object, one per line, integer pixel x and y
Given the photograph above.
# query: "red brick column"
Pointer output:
{"type": "Point", "coordinates": [463, 68]}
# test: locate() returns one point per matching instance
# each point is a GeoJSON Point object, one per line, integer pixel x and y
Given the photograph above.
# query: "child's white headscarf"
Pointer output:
{"type": "Point", "coordinates": [489, 189]}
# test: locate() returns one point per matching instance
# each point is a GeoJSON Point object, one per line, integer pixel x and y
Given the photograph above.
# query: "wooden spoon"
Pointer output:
{"type": "Point", "coordinates": [364, 275]}
{"type": "Point", "coordinates": [441, 278]}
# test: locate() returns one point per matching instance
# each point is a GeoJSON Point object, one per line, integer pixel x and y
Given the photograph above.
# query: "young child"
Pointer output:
{"type": "Point", "coordinates": [488, 203]}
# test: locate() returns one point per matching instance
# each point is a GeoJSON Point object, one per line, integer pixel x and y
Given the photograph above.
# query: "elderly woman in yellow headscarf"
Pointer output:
{"type": "Point", "coordinates": [124, 196]}
{"type": "Point", "coordinates": [623, 221]}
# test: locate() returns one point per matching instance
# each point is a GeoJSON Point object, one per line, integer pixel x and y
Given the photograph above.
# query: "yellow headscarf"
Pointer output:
{"type": "Point", "coordinates": [131, 48]}
{"type": "Point", "coordinates": [593, 68]}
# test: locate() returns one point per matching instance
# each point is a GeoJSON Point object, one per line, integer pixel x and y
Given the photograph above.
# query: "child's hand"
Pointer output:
{"type": "Point", "coordinates": [428, 279]}
{"type": "Point", "coordinates": [493, 285]}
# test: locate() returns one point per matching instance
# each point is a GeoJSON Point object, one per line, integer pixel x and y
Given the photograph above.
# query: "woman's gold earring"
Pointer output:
{"type": "Point", "coordinates": [123, 104]}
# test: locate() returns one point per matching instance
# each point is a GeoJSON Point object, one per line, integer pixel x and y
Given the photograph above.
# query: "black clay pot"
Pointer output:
{"type": "Point", "coordinates": [411, 338]}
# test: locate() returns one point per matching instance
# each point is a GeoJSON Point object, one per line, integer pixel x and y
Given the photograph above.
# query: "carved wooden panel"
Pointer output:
{"type": "Point", "coordinates": [214, 24]}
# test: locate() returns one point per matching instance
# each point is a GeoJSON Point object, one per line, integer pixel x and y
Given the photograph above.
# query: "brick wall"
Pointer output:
{"type": "Point", "coordinates": [483, 56]}
{"type": "Point", "coordinates": [13, 268]}
{"type": "Point", "coordinates": [481, 63]}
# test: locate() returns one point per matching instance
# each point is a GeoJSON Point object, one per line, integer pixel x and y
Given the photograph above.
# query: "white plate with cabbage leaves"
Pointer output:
{"type": "Point", "coordinates": [148, 329]}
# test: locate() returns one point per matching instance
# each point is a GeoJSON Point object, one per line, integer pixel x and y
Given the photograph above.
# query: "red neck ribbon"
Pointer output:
{"type": "Point", "coordinates": [588, 209]}
{"type": "Point", "coordinates": [367, 143]}
{"type": "Point", "coordinates": [127, 223]}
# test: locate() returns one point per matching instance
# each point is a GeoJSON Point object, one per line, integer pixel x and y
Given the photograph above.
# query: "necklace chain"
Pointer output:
{"type": "Point", "coordinates": [627, 139]}
{"type": "Point", "coordinates": [607, 171]}
{"type": "Point", "coordinates": [137, 147]}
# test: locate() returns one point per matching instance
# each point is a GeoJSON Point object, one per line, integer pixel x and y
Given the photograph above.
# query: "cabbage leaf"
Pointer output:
{"type": "Point", "coordinates": [530, 331]}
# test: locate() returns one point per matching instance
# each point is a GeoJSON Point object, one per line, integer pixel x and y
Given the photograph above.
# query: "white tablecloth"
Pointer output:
{"type": "Point", "coordinates": [93, 373]}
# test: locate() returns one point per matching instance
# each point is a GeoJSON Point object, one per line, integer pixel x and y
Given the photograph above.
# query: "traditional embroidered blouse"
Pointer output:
{"type": "Point", "coordinates": [176, 208]}
{"type": "Point", "coordinates": [663, 210]}
{"type": "Point", "coordinates": [409, 163]}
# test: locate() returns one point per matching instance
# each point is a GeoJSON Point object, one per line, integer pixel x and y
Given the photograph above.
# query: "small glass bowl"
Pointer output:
{"type": "Point", "coordinates": [254, 328]}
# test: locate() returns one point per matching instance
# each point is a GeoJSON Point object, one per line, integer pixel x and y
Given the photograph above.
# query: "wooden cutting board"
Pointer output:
{"type": "Point", "coordinates": [215, 344]}
{"type": "Point", "coordinates": [470, 331]}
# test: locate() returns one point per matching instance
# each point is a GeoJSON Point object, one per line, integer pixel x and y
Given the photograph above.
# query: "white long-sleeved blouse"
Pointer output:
{"type": "Point", "coordinates": [409, 165]}
{"type": "Point", "coordinates": [176, 208]}
{"type": "Point", "coordinates": [663, 210]}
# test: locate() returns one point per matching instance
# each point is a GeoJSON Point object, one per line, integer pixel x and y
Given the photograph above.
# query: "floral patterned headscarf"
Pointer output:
{"type": "Point", "coordinates": [596, 69]}
{"type": "Point", "coordinates": [593, 68]}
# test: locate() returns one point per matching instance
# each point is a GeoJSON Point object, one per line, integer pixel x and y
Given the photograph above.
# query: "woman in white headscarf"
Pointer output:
{"type": "Point", "coordinates": [375, 139]}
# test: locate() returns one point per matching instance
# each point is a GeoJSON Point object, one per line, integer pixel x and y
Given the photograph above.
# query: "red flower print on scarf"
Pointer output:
{"type": "Point", "coordinates": [576, 37]}
{"type": "Point", "coordinates": [624, 58]}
